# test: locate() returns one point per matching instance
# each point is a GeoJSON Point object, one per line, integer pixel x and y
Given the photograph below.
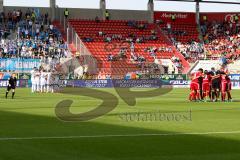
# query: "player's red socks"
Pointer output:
{"type": "Point", "coordinates": [192, 96]}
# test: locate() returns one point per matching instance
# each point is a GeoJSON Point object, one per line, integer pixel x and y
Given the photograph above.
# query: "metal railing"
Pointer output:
{"type": "Point", "coordinates": [75, 44]}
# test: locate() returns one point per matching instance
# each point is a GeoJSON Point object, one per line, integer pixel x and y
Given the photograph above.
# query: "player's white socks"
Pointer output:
{"type": "Point", "coordinates": [37, 88]}
{"type": "Point", "coordinates": [44, 88]}
{"type": "Point", "coordinates": [48, 88]}
{"type": "Point", "coordinates": [33, 88]}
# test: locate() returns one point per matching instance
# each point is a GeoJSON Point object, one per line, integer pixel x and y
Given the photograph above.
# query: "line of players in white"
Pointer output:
{"type": "Point", "coordinates": [43, 82]}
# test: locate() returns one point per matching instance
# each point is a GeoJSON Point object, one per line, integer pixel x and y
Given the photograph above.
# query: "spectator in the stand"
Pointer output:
{"type": "Point", "coordinates": [132, 47]}
{"type": "Point", "coordinates": [131, 23]}
{"type": "Point", "coordinates": [173, 17]}
{"type": "Point", "coordinates": [87, 39]}
{"type": "Point", "coordinates": [101, 33]}
{"type": "Point", "coordinates": [153, 37]}
{"type": "Point", "coordinates": [116, 37]}
{"type": "Point", "coordinates": [169, 28]}
{"type": "Point", "coordinates": [110, 57]}
{"type": "Point", "coordinates": [45, 18]}
{"type": "Point", "coordinates": [107, 15]}
{"type": "Point", "coordinates": [66, 13]}
{"type": "Point", "coordinates": [141, 26]}
{"type": "Point", "coordinates": [2, 17]}
{"type": "Point", "coordinates": [33, 17]}
{"type": "Point", "coordinates": [140, 40]}
{"type": "Point", "coordinates": [223, 60]}
{"type": "Point", "coordinates": [97, 20]}
{"type": "Point", "coordinates": [141, 59]}
{"type": "Point", "coordinates": [129, 39]}
{"type": "Point", "coordinates": [122, 53]}
{"type": "Point", "coordinates": [108, 39]}
{"type": "Point", "coordinates": [236, 18]}
{"type": "Point", "coordinates": [205, 18]}
{"type": "Point", "coordinates": [159, 21]}
{"type": "Point", "coordinates": [133, 56]}
{"type": "Point", "coordinates": [153, 32]}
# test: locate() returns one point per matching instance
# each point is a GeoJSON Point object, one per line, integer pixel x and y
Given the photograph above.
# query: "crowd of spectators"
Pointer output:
{"type": "Point", "coordinates": [222, 39]}
{"type": "Point", "coordinates": [35, 36]}
{"type": "Point", "coordinates": [219, 39]}
{"type": "Point", "coordinates": [192, 50]}
{"type": "Point", "coordinates": [131, 39]}
{"type": "Point", "coordinates": [177, 62]}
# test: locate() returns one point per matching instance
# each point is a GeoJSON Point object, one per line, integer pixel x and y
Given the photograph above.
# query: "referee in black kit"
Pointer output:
{"type": "Point", "coordinates": [12, 83]}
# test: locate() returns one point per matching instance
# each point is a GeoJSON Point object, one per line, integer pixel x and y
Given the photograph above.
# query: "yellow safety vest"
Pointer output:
{"type": "Point", "coordinates": [204, 18]}
{"type": "Point", "coordinates": [236, 18]}
{"type": "Point", "coordinates": [173, 17]}
{"type": "Point", "coordinates": [66, 13]}
{"type": "Point", "coordinates": [107, 14]}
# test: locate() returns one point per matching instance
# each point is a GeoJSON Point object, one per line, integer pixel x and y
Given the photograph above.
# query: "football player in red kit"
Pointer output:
{"type": "Point", "coordinates": [192, 95]}
{"type": "Point", "coordinates": [194, 86]}
{"type": "Point", "coordinates": [225, 84]}
{"type": "Point", "coordinates": [206, 84]}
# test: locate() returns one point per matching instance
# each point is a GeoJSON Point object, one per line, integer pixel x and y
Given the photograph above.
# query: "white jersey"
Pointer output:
{"type": "Point", "coordinates": [42, 78]}
{"type": "Point", "coordinates": [37, 78]}
{"type": "Point", "coordinates": [49, 78]}
{"type": "Point", "coordinates": [33, 76]}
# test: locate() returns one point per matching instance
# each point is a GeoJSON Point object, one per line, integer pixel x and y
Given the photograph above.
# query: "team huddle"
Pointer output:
{"type": "Point", "coordinates": [43, 82]}
{"type": "Point", "coordinates": [211, 85]}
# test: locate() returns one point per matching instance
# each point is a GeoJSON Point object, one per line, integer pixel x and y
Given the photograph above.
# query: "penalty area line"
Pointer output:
{"type": "Point", "coordinates": [118, 135]}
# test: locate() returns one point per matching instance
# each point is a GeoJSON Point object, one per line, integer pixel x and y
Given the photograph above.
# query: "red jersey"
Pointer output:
{"type": "Point", "coordinates": [224, 79]}
{"type": "Point", "coordinates": [195, 76]}
{"type": "Point", "coordinates": [206, 79]}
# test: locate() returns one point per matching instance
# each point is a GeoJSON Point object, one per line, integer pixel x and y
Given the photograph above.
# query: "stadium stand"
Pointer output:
{"type": "Point", "coordinates": [29, 35]}
{"type": "Point", "coordinates": [121, 46]}
{"type": "Point", "coordinates": [222, 38]}
{"type": "Point", "coordinates": [137, 41]}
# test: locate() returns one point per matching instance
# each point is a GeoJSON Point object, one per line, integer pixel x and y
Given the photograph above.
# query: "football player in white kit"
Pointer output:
{"type": "Point", "coordinates": [43, 81]}
{"type": "Point", "coordinates": [37, 81]}
{"type": "Point", "coordinates": [33, 80]}
{"type": "Point", "coordinates": [48, 82]}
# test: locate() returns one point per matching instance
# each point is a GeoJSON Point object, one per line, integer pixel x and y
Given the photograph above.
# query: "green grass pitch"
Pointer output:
{"type": "Point", "coordinates": [29, 129]}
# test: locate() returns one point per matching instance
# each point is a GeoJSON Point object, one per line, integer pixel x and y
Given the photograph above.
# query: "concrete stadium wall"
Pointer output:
{"type": "Point", "coordinates": [24, 9]}
{"type": "Point", "coordinates": [130, 15]}
{"type": "Point", "coordinates": [80, 13]}
{"type": "Point", "coordinates": [76, 13]}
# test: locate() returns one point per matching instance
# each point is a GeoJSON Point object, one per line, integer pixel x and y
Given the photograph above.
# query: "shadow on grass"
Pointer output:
{"type": "Point", "coordinates": [177, 147]}
{"type": "Point", "coordinates": [109, 101]}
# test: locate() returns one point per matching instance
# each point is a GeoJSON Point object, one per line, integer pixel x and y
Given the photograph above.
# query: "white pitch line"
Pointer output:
{"type": "Point", "coordinates": [117, 135]}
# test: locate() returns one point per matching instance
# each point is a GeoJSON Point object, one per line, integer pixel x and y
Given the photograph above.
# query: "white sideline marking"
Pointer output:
{"type": "Point", "coordinates": [117, 135]}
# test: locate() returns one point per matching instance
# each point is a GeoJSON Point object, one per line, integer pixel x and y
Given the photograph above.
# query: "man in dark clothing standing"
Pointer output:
{"type": "Point", "coordinates": [12, 83]}
{"type": "Point", "coordinates": [66, 13]}
{"type": "Point", "coordinates": [200, 82]}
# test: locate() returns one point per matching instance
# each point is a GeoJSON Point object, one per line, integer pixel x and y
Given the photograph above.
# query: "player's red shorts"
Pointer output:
{"type": "Point", "coordinates": [206, 87]}
{"type": "Point", "coordinates": [194, 86]}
